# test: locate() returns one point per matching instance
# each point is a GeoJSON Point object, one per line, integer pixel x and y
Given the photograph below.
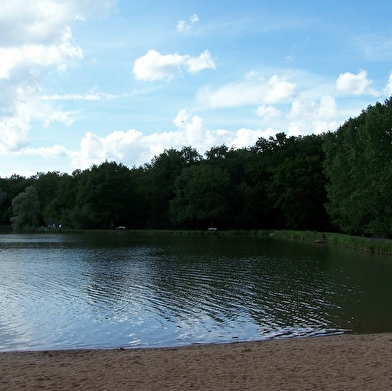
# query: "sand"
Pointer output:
{"type": "Point", "coordinates": [343, 362]}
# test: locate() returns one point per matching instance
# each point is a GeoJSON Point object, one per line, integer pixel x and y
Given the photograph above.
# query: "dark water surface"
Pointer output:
{"type": "Point", "coordinates": [110, 291]}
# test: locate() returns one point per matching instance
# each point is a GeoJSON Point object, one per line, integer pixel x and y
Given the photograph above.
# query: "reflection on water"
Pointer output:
{"type": "Point", "coordinates": [107, 291]}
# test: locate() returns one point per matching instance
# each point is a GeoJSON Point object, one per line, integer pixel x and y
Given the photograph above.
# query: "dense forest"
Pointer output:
{"type": "Point", "coordinates": [337, 181]}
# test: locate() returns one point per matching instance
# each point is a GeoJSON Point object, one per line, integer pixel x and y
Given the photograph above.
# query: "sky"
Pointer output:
{"type": "Point", "coordinates": [85, 81]}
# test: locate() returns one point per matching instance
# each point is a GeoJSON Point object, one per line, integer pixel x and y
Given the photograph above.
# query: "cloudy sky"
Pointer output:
{"type": "Point", "coordinates": [84, 81]}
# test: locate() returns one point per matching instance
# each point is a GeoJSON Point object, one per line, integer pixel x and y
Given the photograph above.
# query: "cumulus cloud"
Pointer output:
{"type": "Point", "coordinates": [312, 117]}
{"type": "Point", "coordinates": [118, 145]}
{"type": "Point", "coordinates": [268, 112]}
{"type": "Point", "coordinates": [184, 26]}
{"type": "Point", "coordinates": [247, 137]}
{"type": "Point", "coordinates": [42, 22]}
{"type": "Point", "coordinates": [36, 36]}
{"type": "Point", "coordinates": [19, 106]}
{"type": "Point", "coordinates": [388, 88]}
{"type": "Point", "coordinates": [274, 90]}
{"type": "Point", "coordinates": [353, 84]}
{"type": "Point", "coordinates": [197, 64]}
{"type": "Point", "coordinates": [155, 66]}
{"type": "Point", "coordinates": [134, 148]}
{"type": "Point", "coordinates": [18, 60]}
{"type": "Point", "coordinates": [13, 133]}
{"type": "Point", "coordinates": [56, 151]}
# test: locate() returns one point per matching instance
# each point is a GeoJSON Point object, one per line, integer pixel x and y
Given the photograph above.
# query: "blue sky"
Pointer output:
{"type": "Point", "coordinates": [84, 81]}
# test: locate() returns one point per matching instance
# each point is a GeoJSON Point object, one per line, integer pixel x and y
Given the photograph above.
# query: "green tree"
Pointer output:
{"type": "Point", "coordinates": [201, 195]}
{"type": "Point", "coordinates": [287, 176]}
{"type": "Point", "coordinates": [60, 201]}
{"type": "Point", "coordinates": [47, 188]}
{"type": "Point", "coordinates": [358, 165]}
{"type": "Point", "coordinates": [26, 209]}
{"type": "Point", "coordinates": [239, 211]}
{"type": "Point", "coordinates": [104, 197]}
{"type": "Point", "coordinates": [161, 176]}
{"type": "Point", "coordinates": [297, 182]}
{"type": "Point", "coordinates": [2, 196]}
{"type": "Point", "coordinates": [12, 186]}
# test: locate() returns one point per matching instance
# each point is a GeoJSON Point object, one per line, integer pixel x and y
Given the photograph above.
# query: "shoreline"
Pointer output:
{"type": "Point", "coordinates": [345, 361]}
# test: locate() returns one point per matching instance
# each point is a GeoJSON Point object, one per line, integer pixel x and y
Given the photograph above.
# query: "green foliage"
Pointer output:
{"type": "Point", "coordinates": [160, 177]}
{"type": "Point", "coordinates": [104, 197]}
{"type": "Point", "coordinates": [379, 246]}
{"type": "Point", "coordinates": [26, 209]}
{"type": "Point", "coordinates": [335, 181]}
{"type": "Point", "coordinates": [358, 165]}
{"type": "Point", "coordinates": [2, 196]}
{"type": "Point", "coordinates": [277, 183]}
{"type": "Point", "coordinates": [288, 174]}
{"type": "Point", "coordinates": [201, 194]}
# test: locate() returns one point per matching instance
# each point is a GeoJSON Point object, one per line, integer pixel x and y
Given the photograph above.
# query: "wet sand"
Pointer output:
{"type": "Point", "coordinates": [343, 362]}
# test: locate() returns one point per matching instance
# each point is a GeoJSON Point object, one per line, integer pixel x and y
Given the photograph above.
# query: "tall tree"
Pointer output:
{"type": "Point", "coordinates": [232, 163]}
{"type": "Point", "coordinates": [26, 209]}
{"type": "Point", "coordinates": [60, 201]}
{"type": "Point", "coordinates": [161, 176]}
{"type": "Point", "coordinates": [358, 165]}
{"type": "Point", "coordinates": [201, 195]}
{"type": "Point", "coordinates": [288, 173]}
{"type": "Point", "coordinates": [12, 186]}
{"type": "Point", "coordinates": [105, 195]}
{"type": "Point", "coordinates": [2, 196]}
{"type": "Point", "coordinates": [297, 182]}
{"type": "Point", "coordinates": [47, 188]}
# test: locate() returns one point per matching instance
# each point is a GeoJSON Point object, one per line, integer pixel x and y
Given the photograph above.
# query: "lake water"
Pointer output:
{"type": "Point", "coordinates": [120, 290]}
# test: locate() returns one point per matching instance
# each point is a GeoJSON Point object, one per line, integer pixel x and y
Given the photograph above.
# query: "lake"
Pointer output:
{"type": "Point", "coordinates": [123, 290]}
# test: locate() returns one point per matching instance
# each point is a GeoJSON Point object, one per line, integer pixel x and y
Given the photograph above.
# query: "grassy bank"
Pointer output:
{"type": "Point", "coordinates": [184, 232]}
{"type": "Point", "coordinates": [373, 245]}
{"type": "Point", "coordinates": [379, 246]}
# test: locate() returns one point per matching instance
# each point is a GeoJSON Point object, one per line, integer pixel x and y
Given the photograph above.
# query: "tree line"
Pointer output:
{"type": "Point", "coordinates": [336, 181]}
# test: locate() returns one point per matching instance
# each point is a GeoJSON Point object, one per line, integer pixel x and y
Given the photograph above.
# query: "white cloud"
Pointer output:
{"type": "Point", "coordinates": [23, 106]}
{"type": "Point", "coordinates": [13, 133]}
{"type": "Point", "coordinates": [388, 88]}
{"type": "Point", "coordinates": [259, 92]}
{"type": "Point", "coordinates": [268, 112]}
{"type": "Point", "coordinates": [155, 66]}
{"type": "Point", "coordinates": [134, 148]}
{"type": "Point", "coordinates": [56, 151]}
{"type": "Point", "coordinates": [57, 116]}
{"type": "Point", "coordinates": [36, 36]}
{"type": "Point", "coordinates": [353, 84]}
{"type": "Point", "coordinates": [31, 57]}
{"type": "Point", "coordinates": [185, 27]}
{"type": "Point", "coordinates": [279, 90]}
{"type": "Point", "coordinates": [204, 61]}
{"type": "Point", "coordinates": [42, 22]}
{"type": "Point", "coordinates": [194, 18]}
{"type": "Point", "coordinates": [312, 117]}
{"type": "Point", "coordinates": [94, 96]}
{"type": "Point", "coordinates": [118, 145]}
{"type": "Point", "coordinates": [182, 117]}
{"type": "Point", "coordinates": [248, 137]}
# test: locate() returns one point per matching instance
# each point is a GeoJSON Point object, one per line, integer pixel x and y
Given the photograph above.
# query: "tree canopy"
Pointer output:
{"type": "Point", "coordinates": [26, 209]}
{"type": "Point", "coordinates": [339, 181]}
{"type": "Point", "coordinates": [358, 166]}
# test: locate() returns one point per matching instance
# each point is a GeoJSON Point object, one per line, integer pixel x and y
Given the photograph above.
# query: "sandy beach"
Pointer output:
{"type": "Point", "coordinates": [343, 362]}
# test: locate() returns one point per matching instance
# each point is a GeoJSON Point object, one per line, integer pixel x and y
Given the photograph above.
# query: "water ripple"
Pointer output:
{"type": "Point", "coordinates": [79, 291]}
